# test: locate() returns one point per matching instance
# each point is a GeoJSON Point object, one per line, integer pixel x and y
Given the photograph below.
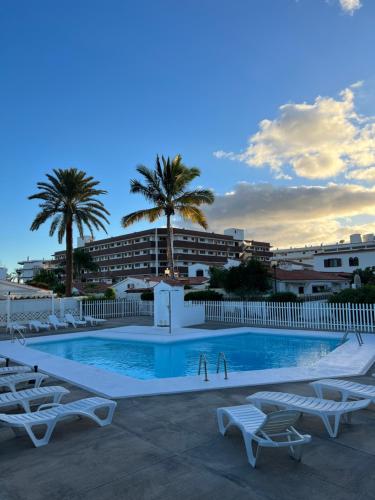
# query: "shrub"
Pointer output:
{"type": "Point", "coordinates": [149, 295]}
{"type": "Point", "coordinates": [204, 295]}
{"type": "Point", "coordinates": [364, 295]}
{"type": "Point", "coordinates": [110, 294]}
{"type": "Point", "coordinates": [283, 297]}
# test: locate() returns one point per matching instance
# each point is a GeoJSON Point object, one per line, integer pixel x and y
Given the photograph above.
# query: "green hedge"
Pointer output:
{"type": "Point", "coordinates": [204, 295]}
{"type": "Point", "coordinates": [283, 297]}
{"type": "Point", "coordinates": [149, 295]}
{"type": "Point", "coordinates": [364, 295]}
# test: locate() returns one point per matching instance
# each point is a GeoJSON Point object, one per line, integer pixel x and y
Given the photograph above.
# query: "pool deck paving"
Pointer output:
{"type": "Point", "coordinates": [168, 447]}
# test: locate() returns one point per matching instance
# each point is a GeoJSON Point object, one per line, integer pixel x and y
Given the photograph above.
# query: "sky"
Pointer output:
{"type": "Point", "coordinates": [274, 100]}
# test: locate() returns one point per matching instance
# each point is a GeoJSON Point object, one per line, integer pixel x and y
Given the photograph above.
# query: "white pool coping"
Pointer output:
{"type": "Point", "coordinates": [349, 359]}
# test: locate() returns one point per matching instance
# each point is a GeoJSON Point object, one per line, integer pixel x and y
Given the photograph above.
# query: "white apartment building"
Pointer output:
{"type": "Point", "coordinates": [30, 268]}
{"type": "Point", "coordinates": [357, 253]}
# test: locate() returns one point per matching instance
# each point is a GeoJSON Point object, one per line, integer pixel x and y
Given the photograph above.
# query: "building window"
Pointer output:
{"type": "Point", "coordinates": [353, 261]}
{"type": "Point", "coordinates": [199, 273]}
{"type": "Point", "coordinates": [301, 290]}
{"type": "Point", "coordinates": [319, 289]}
{"type": "Point", "coordinates": [332, 262]}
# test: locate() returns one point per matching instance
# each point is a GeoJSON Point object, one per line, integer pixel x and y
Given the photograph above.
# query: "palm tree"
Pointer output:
{"type": "Point", "coordinates": [165, 188]}
{"type": "Point", "coordinates": [83, 261]}
{"type": "Point", "coordinates": [69, 197]}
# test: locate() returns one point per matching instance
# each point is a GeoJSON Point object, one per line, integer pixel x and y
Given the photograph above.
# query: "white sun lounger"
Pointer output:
{"type": "Point", "coordinates": [69, 318]}
{"type": "Point", "coordinates": [8, 370]}
{"type": "Point", "coordinates": [325, 409]}
{"type": "Point", "coordinates": [38, 325]}
{"type": "Point", "coordinates": [346, 388]}
{"type": "Point", "coordinates": [26, 397]}
{"type": "Point", "coordinates": [94, 321]}
{"type": "Point", "coordinates": [56, 323]}
{"type": "Point", "coordinates": [48, 415]}
{"type": "Point", "coordinates": [11, 381]}
{"type": "Point", "coordinates": [274, 430]}
{"type": "Point", "coordinates": [16, 327]}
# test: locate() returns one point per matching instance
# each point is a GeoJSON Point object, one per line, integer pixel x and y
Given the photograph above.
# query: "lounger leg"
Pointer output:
{"type": "Point", "coordinates": [332, 431]}
{"type": "Point", "coordinates": [106, 420]}
{"type": "Point", "coordinates": [220, 421]}
{"type": "Point", "coordinates": [251, 456]}
{"type": "Point", "coordinates": [47, 435]}
{"type": "Point", "coordinates": [26, 406]}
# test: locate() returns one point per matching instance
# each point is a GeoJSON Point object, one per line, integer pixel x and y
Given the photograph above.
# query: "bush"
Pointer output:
{"type": "Point", "coordinates": [364, 295]}
{"type": "Point", "coordinates": [204, 295]}
{"type": "Point", "coordinates": [149, 295]}
{"type": "Point", "coordinates": [283, 297]}
{"type": "Point", "coordinates": [110, 294]}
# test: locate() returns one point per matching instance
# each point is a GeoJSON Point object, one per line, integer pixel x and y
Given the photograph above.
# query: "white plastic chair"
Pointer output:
{"type": "Point", "coordinates": [69, 318]}
{"type": "Point", "coordinates": [274, 430]}
{"type": "Point", "coordinates": [56, 323]}
{"type": "Point", "coordinates": [12, 381]}
{"type": "Point", "coordinates": [346, 388]}
{"type": "Point", "coordinates": [325, 409]}
{"type": "Point", "coordinates": [26, 397]}
{"type": "Point", "coordinates": [94, 321]}
{"type": "Point", "coordinates": [38, 325]}
{"type": "Point", "coordinates": [50, 414]}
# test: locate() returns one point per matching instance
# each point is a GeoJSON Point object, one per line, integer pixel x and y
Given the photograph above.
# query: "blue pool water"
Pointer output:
{"type": "Point", "coordinates": [147, 360]}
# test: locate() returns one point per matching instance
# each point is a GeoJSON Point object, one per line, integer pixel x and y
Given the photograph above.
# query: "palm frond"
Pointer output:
{"type": "Point", "coordinates": [149, 214]}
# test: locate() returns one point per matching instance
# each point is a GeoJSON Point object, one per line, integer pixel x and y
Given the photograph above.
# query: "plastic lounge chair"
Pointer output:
{"type": "Point", "coordinates": [346, 388]}
{"type": "Point", "coordinates": [26, 397]}
{"type": "Point", "coordinates": [11, 381]}
{"type": "Point", "coordinates": [8, 370]}
{"type": "Point", "coordinates": [325, 409]}
{"type": "Point", "coordinates": [69, 318]}
{"type": "Point", "coordinates": [94, 321]}
{"type": "Point", "coordinates": [56, 323]}
{"type": "Point", "coordinates": [274, 430]}
{"type": "Point", "coordinates": [38, 325]}
{"type": "Point", "coordinates": [16, 327]}
{"type": "Point", "coordinates": [48, 415]}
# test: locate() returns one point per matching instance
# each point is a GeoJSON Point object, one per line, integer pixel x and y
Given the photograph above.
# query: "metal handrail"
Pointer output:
{"type": "Point", "coordinates": [358, 336]}
{"type": "Point", "coordinates": [19, 336]}
{"type": "Point", "coordinates": [221, 356]}
{"type": "Point", "coordinates": [203, 360]}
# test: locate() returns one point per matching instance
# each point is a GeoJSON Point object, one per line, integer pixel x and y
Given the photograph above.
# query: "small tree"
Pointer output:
{"type": "Point", "coordinates": [248, 278]}
{"type": "Point", "coordinates": [110, 294]}
{"type": "Point", "coordinates": [367, 275]}
{"type": "Point", "coordinates": [218, 277]}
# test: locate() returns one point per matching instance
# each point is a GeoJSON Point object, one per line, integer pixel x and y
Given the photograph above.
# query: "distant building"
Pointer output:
{"type": "Point", "coordinates": [250, 249]}
{"type": "Point", "coordinates": [30, 268]}
{"type": "Point", "coordinates": [145, 252]}
{"type": "Point", "coordinates": [309, 282]}
{"type": "Point", "coordinates": [3, 273]}
{"type": "Point", "coordinates": [358, 253]}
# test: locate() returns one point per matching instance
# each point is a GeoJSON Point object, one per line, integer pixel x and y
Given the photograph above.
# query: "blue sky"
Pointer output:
{"type": "Point", "coordinates": [103, 86]}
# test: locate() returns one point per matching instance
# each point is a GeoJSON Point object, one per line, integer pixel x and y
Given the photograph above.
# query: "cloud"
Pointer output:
{"type": "Point", "coordinates": [319, 140]}
{"type": "Point", "coordinates": [293, 215]}
{"type": "Point", "coordinates": [350, 6]}
{"type": "Point", "coordinates": [363, 174]}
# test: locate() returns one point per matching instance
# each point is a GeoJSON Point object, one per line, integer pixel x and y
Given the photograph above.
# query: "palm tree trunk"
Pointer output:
{"type": "Point", "coordinates": [170, 255]}
{"type": "Point", "coordinates": [69, 258]}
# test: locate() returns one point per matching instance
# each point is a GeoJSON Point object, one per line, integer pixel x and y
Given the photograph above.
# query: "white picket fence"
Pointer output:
{"type": "Point", "coordinates": [25, 310]}
{"type": "Point", "coordinates": [118, 308]}
{"type": "Point", "coordinates": [309, 315]}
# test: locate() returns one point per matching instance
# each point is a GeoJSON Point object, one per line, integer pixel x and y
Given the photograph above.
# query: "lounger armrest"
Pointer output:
{"type": "Point", "coordinates": [48, 405]}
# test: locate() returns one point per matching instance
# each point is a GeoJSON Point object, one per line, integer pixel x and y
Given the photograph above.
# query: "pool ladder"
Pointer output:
{"type": "Point", "coordinates": [203, 364]}
{"type": "Point", "coordinates": [357, 334]}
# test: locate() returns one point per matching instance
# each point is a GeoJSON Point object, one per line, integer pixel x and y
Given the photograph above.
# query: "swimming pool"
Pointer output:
{"type": "Point", "coordinates": [151, 360]}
